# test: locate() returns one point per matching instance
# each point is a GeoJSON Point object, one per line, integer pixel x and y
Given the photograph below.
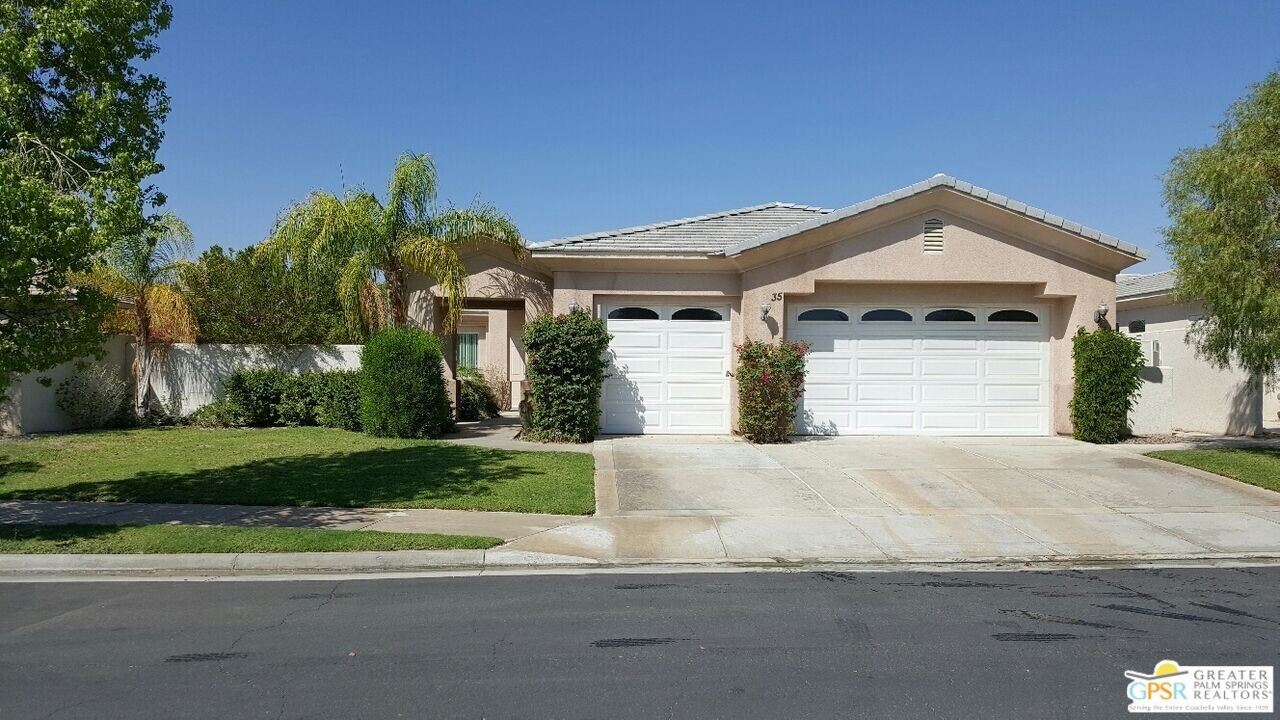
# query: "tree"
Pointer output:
{"type": "Point", "coordinates": [141, 272]}
{"type": "Point", "coordinates": [365, 241]}
{"type": "Point", "coordinates": [249, 297]}
{"type": "Point", "coordinates": [79, 130]}
{"type": "Point", "coordinates": [1224, 200]}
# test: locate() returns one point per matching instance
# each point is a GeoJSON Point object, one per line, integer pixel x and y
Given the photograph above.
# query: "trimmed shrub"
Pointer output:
{"type": "Point", "coordinates": [1108, 378]}
{"type": "Point", "coordinates": [402, 390]}
{"type": "Point", "coordinates": [215, 415]}
{"type": "Point", "coordinates": [770, 381]}
{"type": "Point", "coordinates": [475, 396]}
{"type": "Point", "coordinates": [95, 397]}
{"type": "Point", "coordinates": [338, 404]}
{"type": "Point", "coordinates": [566, 366]}
{"type": "Point", "coordinates": [255, 394]}
{"type": "Point", "coordinates": [300, 398]}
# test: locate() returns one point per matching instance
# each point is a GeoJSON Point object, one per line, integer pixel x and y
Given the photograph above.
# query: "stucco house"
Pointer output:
{"type": "Point", "coordinates": [939, 309]}
{"type": "Point", "coordinates": [1181, 391]}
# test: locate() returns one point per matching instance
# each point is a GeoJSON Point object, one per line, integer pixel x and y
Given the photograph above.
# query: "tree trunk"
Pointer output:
{"type": "Point", "coordinates": [141, 356]}
{"type": "Point", "coordinates": [396, 294]}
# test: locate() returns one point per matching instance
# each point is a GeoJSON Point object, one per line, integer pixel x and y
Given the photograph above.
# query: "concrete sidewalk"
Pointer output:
{"type": "Point", "coordinates": [504, 525]}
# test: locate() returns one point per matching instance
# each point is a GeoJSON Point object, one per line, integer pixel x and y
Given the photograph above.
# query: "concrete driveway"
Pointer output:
{"type": "Point", "coordinates": [906, 499]}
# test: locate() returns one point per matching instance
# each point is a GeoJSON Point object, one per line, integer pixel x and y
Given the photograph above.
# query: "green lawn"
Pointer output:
{"type": "Point", "coordinates": [292, 466]}
{"type": "Point", "coordinates": [1257, 466]}
{"type": "Point", "coordinates": [132, 539]}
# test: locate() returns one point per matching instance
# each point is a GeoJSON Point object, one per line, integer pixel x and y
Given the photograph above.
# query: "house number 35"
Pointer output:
{"type": "Point", "coordinates": [776, 297]}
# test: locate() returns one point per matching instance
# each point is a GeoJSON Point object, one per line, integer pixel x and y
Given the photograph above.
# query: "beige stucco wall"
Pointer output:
{"type": "Point", "coordinates": [30, 406]}
{"type": "Point", "coordinates": [1181, 391]}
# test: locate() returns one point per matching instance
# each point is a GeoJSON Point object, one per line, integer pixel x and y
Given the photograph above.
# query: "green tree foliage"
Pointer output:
{"type": "Point", "coordinates": [1224, 200]}
{"type": "Point", "coordinates": [248, 297]}
{"type": "Point", "coordinates": [1108, 377]}
{"type": "Point", "coordinates": [79, 131]}
{"type": "Point", "coordinates": [770, 380]}
{"type": "Point", "coordinates": [566, 367]}
{"type": "Point", "coordinates": [364, 240]}
{"type": "Point", "coordinates": [402, 390]}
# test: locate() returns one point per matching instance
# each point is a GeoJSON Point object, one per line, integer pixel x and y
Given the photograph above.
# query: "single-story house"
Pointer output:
{"type": "Point", "coordinates": [939, 309]}
{"type": "Point", "coordinates": [1181, 391]}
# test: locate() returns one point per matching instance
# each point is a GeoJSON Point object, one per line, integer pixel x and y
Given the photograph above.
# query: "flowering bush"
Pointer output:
{"type": "Point", "coordinates": [770, 380]}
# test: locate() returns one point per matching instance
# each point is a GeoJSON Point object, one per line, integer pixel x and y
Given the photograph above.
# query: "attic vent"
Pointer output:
{"type": "Point", "coordinates": [932, 236]}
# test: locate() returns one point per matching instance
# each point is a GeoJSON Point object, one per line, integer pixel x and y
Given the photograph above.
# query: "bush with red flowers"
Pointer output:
{"type": "Point", "coordinates": [770, 382]}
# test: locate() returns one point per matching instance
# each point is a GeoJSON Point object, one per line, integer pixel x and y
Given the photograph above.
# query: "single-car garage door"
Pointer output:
{"type": "Point", "coordinates": [668, 367]}
{"type": "Point", "coordinates": [885, 370]}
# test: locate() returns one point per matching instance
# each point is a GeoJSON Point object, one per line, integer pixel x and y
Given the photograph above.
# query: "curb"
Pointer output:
{"type": "Point", "coordinates": [410, 563]}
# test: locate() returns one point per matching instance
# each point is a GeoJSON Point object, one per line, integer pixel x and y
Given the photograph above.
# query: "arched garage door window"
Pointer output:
{"type": "Point", "coordinates": [950, 315]}
{"type": "Point", "coordinates": [633, 313]}
{"type": "Point", "coordinates": [696, 314]}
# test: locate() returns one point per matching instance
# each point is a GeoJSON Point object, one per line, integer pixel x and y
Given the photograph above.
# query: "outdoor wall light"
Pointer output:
{"type": "Point", "coordinates": [764, 310]}
{"type": "Point", "coordinates": [574, 306]}
{"type": "Point", "coordinates": [1100, 314]}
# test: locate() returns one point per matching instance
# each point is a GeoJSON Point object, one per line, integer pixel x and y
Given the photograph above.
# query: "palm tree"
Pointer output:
{"type": "Point", "coordinates": [365, 241]}
{"type": "Point", "coordinates": [141, 272]}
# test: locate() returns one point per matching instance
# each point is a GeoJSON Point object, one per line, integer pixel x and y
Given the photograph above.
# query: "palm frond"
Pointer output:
{"type": "Point", "coordinates": [480, 224]}
{"type": "Point", "coordinates": [411, 192]}
{"type": "Point", "coordinates": [171, 245]}
{"type": "Point", "coordinates": [171, 317]}
{"type": "Point", "coordinates": [439, 259]}
{"type": "Point", "coordinates": [352, 292]}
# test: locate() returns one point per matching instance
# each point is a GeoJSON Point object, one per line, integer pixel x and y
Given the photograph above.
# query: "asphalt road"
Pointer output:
{"type": "Point", "coordinates": [908, 645]}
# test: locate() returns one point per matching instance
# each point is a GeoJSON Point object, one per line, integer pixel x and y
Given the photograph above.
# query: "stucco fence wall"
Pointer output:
{"type": "Point", "coordinates": [185, 378]}
{"type": "Point", "coordinates": [1184, 392]}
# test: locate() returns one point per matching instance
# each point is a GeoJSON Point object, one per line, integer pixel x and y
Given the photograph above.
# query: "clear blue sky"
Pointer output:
{"type": "Point", "coordinates": [584, 116]}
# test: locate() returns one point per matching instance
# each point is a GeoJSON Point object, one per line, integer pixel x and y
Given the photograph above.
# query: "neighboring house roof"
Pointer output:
{"type": "Point", "coordinates": [735, 231]}
{"type": "Point", "coordinates": [1134, 286]}
{"type": "Point", "coordinates": [937, 181]}
{"type": "Point", "coordinates": [703, 234]}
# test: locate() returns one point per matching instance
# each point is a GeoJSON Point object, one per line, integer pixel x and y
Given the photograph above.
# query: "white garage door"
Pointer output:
{"type": "Point", "coordinates": [889, 370]}
{"type": "Point", "coordinates": [667, 367]}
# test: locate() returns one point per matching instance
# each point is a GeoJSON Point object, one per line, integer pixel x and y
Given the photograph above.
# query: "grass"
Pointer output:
{"type": "Point", "coordinates": [292, 466]}
{"type": "Point", "coordinates": [134, 539]}
{"type": "Point", "coordinates": [1257, 466]}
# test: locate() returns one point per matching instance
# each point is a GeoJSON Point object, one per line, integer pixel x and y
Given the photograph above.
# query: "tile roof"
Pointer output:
{"type": "Point", "coordinates": [736, 231]}
{"type": "Point", "coordinates": [941, 180]}
{"type": "Point", "coordinates": [1130, 286]}
{"type": "Point", "coordinates": [703, 234]}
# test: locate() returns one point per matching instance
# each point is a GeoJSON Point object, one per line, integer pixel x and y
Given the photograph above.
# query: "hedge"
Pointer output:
{"type": "Point", "coordinates": [770, 381]}
{"type": "Point", "coordinates": [1108, 378]}
{"type": "Point", "coordinates": [475, 396]}
{"type": "Point", "coordinates": [266, 397]}
{"type": "Point", "coordinates": [402, 390]}
{"type": "Point", "coordinates": [255, 395]}
{"type": "Point", "coordinates": [565, 367]}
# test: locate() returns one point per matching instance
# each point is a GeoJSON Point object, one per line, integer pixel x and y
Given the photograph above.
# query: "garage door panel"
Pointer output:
{"type": "Point", "coordinates": [681, 365]}
{"type": "Point", "coordinates": [949, 393]}
{"type": "Point", "coordinates": [886, 392]}
{"type": "Point", "coordinates": [696, 340]}
{"type": "Point", "coordinates": [1013, 393]}
{"type": "Point", "coordinates": [884, 419]}
{"type": "Point", "coordinates": [950, 420]}
{"type": "Point", "coordinates": [884, 344]}
{"type": "Point", "coordinates": [829, 366]}
{"type": "Point", "coordinates": [1013, 367]}
{"type": "Point", "coordinates": [695, 419]}
{"type": "Point", "coordinates": [949, 344]}
{"type": "Point", "coordinates": [683, 391]}
{"type": "Point", "coordinates": [872, 367]}
{"type": "Point", "coordinates": [827, 391]}
{"type": "Point", "coordinates": [948, 367]}
{"type": "Point", "coordinates": [633, 390]}
{"type": "Point", "coordinates": [637, 366]}
{"type": "Point", "coordinates": [637, 339]}
{"type": "Point", "coordinates": [926, 378]}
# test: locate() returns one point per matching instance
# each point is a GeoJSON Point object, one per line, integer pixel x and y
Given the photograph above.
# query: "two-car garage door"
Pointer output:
{"type": "Point", "coordinates": [882, 370]}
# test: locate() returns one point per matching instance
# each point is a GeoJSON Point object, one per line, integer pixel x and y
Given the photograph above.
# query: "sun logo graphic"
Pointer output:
{"type": "Point", "coordinates": [1171, 687]}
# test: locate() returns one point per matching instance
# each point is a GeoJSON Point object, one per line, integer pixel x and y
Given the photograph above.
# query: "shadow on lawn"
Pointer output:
{"type": "Point", "coordinates": [358, 479]}
{"type": "Point", "coordinates": [8, 466]}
